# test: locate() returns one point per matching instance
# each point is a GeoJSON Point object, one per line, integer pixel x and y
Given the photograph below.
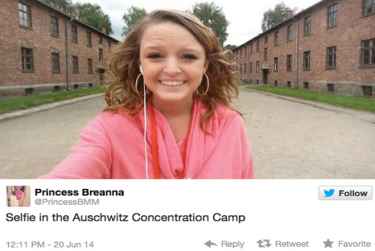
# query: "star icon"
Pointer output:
{"type": "Point", "coordinates": [328, 243]}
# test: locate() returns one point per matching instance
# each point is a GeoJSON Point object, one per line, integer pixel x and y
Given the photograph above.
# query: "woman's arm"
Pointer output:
{"type": "Point", "coordinates": [90, 158]}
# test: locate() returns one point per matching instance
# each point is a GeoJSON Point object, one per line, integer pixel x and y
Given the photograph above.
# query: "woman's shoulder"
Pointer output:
{"type": "Point", "coordinates": [224, 117]}
{"type": "Point", "coordinates": [119, 118]}
{"type": "Point", "coordinates": [224, 111]}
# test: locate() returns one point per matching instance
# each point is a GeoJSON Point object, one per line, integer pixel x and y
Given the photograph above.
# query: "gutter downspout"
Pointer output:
{"type": "Point", "coordinates": [67, 66]}
{"type": "Point", "coordinates": [297, 54]}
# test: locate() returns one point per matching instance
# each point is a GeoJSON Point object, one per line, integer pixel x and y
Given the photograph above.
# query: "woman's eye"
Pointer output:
{"type": "Point", "coordinates": [154, 55]}
{"type": "Point", "coordinates": [189, 56]}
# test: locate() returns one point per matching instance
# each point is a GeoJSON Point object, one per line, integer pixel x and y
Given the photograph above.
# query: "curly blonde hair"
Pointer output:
{"type": "Point", "coordinates": [125, 63]}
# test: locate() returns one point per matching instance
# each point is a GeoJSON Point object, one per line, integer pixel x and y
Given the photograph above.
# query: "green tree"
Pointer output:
{"type": "Point", "coordinates": [279, 14]}
{"type": "Point", "coordinates": [93, 15]}
{"type": "Point", "coordinates": [65, 6]}
{"type": "Point", "coordinates": [131, 17]}
{"type": "Point", "coordinates": [212, 16]}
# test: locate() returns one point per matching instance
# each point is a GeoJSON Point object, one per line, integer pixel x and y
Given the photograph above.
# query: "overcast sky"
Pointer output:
{"type": "Point", "coordinates": [245, 17]}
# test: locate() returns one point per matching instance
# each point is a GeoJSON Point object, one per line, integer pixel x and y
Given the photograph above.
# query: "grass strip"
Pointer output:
{"type": "Point", "coordinates": [357, 103]}
{"type": "Point", "coordinates": [9, 104]}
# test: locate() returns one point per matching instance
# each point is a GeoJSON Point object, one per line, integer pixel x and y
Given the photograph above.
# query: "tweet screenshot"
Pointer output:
{"type": "Point", "coordinates": [187, 215]}
{"type": "Point", "coordinates": [192, 125]}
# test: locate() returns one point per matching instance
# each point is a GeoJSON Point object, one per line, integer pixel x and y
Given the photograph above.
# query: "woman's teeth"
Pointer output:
{"type": "Point", "coordinates": [171, 83]}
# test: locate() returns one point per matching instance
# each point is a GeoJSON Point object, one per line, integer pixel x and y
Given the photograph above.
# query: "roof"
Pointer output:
{"type": "Point", "coordinates": [75, 20]}
{"type": "Point", "coordinates": [295, 17]}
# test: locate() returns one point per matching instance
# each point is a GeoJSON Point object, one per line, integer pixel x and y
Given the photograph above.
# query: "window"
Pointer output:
{"type": "Point", "coordinates": [275, 64]}
{"type": "Point", "coordinates": [245, 68]}
{"type": "Point", "coordinates": [100, 39]}
{"type": "Point", "coordinates": [289, 84]}
{"type": "Point", "coordinates": [276, 38]}
{"type": "Point", "coordinates": [306, 61]}
{"type": "Point", "coordinates": [331, 87]}
{"type": "Point", "coordinates": [368, 7]}
{"type": "Point", "coordinates": [100, 55]}
{"type": "Point", "coordinates": [265, 55]}
{"type": "Point", "coordinates": [266, 39]}
{"type": "Point", "coordinates": [289, 36]}
{"type": "Point", "coordinates": [289, 62]}
{"type": "Point", "coordinates": [55, 56]}
{"type": "Point", "coordinates": [24, 14]}
{"type": "Point", "coordinates": [257, 46]}
{"type": "Point", "coordinates": [367, 90]}
{"type": "Point", "coordinates": [74, 33]}
{"type": "Point", "coordinates": [89, 40]}
{"type": "Point", "coordinates": [75, 64]}
{"type": "Point", "coordinates": [54, 26]}
{"type": "Point", "coordinates": [251, 49]}
{"type": "Point", "coordinates": [109, 43]}
{"type": "Point", "coordinates": [331, 58]}
{"type": "Point", "coordinates": [89, 66]}
{"type": "Point", "coordinates": [307, 26]}
{"type": "Point", "coordinates": [368, 52]}
{"type": "Point", "coordinates": [251, 67]}
{"type": "Point", "coordinates": [306, 85]}
{"type": "Point", "coordinates": [275, 83]}
{"type": "Point", "coordinates": [257, 67]}
{"type": "Point", "coordinates": [331, 16]}
{"type": "Point", "coordinates": [27, 59]}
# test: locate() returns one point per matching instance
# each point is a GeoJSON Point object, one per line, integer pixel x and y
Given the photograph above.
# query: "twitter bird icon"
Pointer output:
{"type": "Point", "coordinates": [329, 193]}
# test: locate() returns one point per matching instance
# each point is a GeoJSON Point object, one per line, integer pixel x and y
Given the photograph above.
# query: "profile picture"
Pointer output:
{"type": "Point", "coordinates": [18, 196]}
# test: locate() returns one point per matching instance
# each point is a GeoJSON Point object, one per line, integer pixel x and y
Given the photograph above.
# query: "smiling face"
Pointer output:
{"type": "Point", "coordinates": [173, 63]}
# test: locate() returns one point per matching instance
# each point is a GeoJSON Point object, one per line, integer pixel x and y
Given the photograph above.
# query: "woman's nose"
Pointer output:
{"type": "Point", "coordinates": [172, 66]}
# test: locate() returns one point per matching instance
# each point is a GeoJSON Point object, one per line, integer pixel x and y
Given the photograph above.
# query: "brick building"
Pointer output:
{"type": "Point", "coordinates": [42, 48]}
{"type": "Point", "coordinates": [327, 47]}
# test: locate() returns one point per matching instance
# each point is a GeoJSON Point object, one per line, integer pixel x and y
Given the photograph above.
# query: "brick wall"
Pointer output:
{"type": "Point", "coordinates": [348, 76]}
{"type": "Point", "coordinates": [13, 37]}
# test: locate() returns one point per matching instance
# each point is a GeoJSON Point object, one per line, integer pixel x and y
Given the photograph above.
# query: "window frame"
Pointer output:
{"type": "Point", "coordinates": [276, 64]}
{"type": "Point", "coordinates": [75, 64]}
{"type": "Point", "coordinates": [101, 55]}
{"type": "Point", "coordinates": [331, 52]}
{"type": "Point", "coordinates": [332, 16]}
{"type": "Point", "coordinates": [307, 60]}
{"type": "Point", "coordinates": [54, 26]}
{"type": "Point", "coordinates": [307, 25]}
{"type": "Point", "coordinates": [89, 39]}
{"type": "Point", "coordinates": [25, 56]}
{"type": "Point", "coordinates": [90, 66]}
{"type": "Point", "coordinates": [289, 33]}
{"type": "Point", "coordinates": [56, 69]}
{"type": "Point", "coordinates": [24, 15]}
{"type": "Point", "coordinates": [265, 54]}
{"type": "Point", "coordinates": [289, 63]}
{"type": "Point", "coordinates": [276, 38]}
{"type": "Point", "coordinates": [74, 32]}
{"type": "Point", "coordinates": [364, 8]}
{"type": "Point", "coordinates": [367, 50]}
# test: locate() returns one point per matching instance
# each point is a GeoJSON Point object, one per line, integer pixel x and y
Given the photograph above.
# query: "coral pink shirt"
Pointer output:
{"type": "Point", "coordinates": [112, 146]}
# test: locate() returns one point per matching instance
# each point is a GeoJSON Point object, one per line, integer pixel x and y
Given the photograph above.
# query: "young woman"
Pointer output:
{"type": "Point", "coordinates": [168, 113]}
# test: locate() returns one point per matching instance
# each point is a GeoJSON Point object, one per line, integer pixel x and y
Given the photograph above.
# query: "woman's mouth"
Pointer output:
{"type": "Point", "coordinates": [171, 83]}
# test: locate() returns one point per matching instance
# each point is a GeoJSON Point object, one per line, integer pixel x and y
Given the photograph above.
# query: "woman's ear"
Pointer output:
{"type": "Point", "coordinates": [206, 67]}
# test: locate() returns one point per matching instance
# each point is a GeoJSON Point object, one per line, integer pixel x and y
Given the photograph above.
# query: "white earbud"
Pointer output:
{"type": "Point", "coordinates": [141, 69]}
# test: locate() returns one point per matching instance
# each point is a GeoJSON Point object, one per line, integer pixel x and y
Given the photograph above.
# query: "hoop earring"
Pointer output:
{"type": "Point", "coordinates": [207, 86]}
{"type": "Point", "coordinates": [136, 84]}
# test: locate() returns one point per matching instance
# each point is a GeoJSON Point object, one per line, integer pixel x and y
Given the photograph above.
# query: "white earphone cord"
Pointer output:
{"type": "Point", "coordinates": [145, 130]}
